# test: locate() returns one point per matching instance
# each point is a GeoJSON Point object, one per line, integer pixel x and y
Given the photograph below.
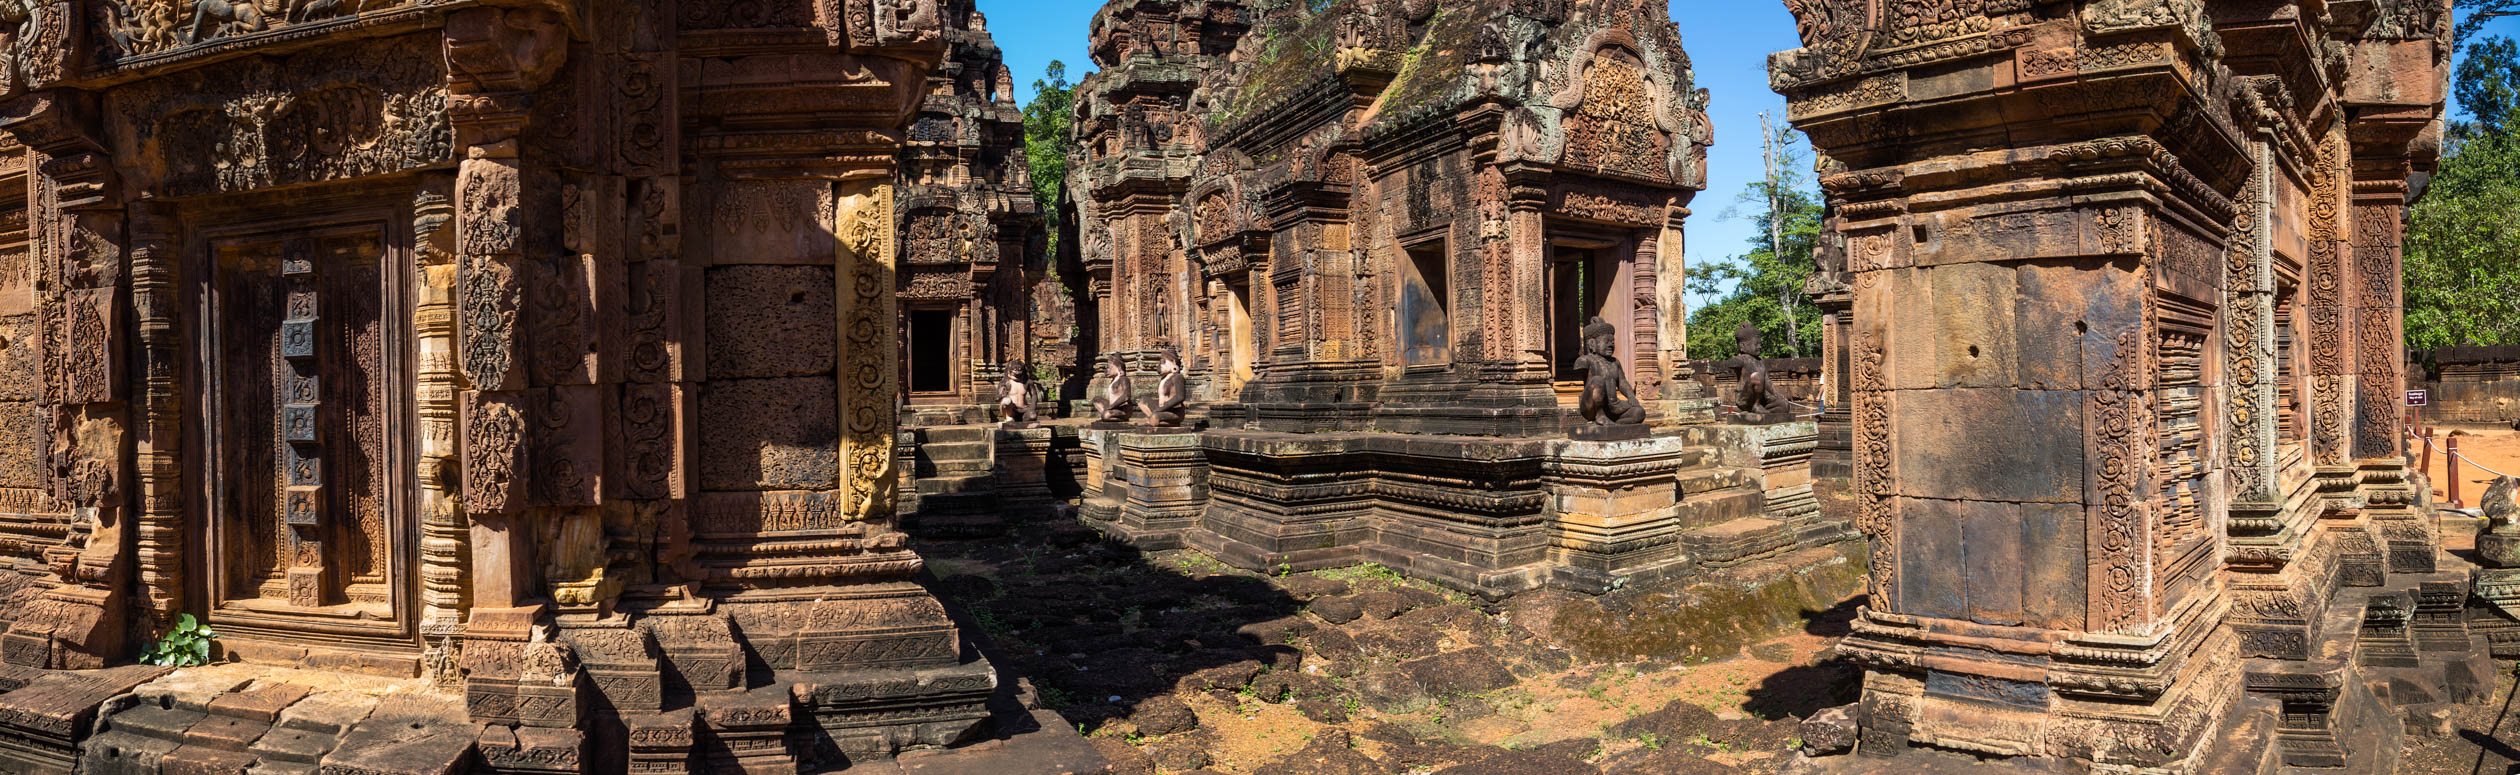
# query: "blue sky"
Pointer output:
{"type": "Point", "coordinates": [1728, 43]}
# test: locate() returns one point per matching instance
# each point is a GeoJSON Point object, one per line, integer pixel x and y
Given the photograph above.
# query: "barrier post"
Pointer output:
{"type": "Point", "coordinates": [2425, 467]}
{"type": "Point", "coordinates": [2450, 469]}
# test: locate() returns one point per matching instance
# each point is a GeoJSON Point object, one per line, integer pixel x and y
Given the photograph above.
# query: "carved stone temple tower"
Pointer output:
{"type": "Point", "coordinates": [546, 347]}
{"type": "Point", "coordinates": [2123, 360]}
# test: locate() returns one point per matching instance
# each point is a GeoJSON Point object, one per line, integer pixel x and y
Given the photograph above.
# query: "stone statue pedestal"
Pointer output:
{"type": "Point", "coordinates": [1022, 471]}
{"type": "Point", "coordinates": [1738, 417]}
{"type": "Point", "coordinates": [1598, 432]}
{"type": "Point", "coordinates": [2498, 551]}
{"type": "Point", "coordinates": [1140, 427]}
{"type": "Point", "coordinates": [1150, 484]}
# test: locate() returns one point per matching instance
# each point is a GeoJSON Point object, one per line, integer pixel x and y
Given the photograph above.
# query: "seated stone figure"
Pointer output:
{"type": "Point", "coordinates": [1017, 396]}
{"type": "Point", "coordinates": [1758, 395]}
{"type": "Point", "coordinates": [1171, 393]}
{"type": "Point", "coordinates": [1608, 399]}
{"type": "Point", "coordinates": [1118, 397]}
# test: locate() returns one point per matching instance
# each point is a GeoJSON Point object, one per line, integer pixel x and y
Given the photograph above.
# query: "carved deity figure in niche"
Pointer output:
{"type": "Point", "coordinates": [1117, 398]}
{"type": "Point", "coordinates": [1758, 395]}
{"type": "Point", "coordinates": [1608, 399]}
{"type": "Point", "coordinates": [1171, 393]}
{"type": "Point", "coordinates": [1017, 395]}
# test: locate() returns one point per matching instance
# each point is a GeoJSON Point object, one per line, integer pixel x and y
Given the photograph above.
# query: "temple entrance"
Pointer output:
{"type": "Point", "coordinates": [1238, 335]}
{"type": "Point", "coordinates": [932, 351]}
{"type": "Point", "coordinates": [1586, 278]}
{"type": "Point", "coordinates": [299, 360]}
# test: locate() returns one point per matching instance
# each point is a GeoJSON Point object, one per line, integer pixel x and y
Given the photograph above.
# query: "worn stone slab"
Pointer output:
{"type": "Point", "coordinates": [328, 712]}
{"type": "Point", "coordinates": [293, 745]}
{"type": "Point", "coordinates": [226, 733]}
{"type": "Point", "coordinates": [261, 703]}
{"type": "Point", "coordinates": [123, 753]}
{"type": "Point", "coordinates": [200, 760]}
{"type": "Point", "coordinates": [60, 705]}
{"type": "Point", "coordinates": [190, 689]}
{"type": "Point", "coordinates": [407, 738]}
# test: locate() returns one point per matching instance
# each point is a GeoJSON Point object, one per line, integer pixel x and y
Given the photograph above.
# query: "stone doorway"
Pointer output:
{"type": "Point", "coordinates": [932, 355]}
{"type": "Point", "coordinates": [1587, 277]}
{"type": "Point", "coordinates": [299, 325]}
{"type": "Point", "coordinates": [1238, 345]}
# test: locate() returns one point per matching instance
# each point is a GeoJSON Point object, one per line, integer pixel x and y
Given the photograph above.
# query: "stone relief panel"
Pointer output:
{"type": "Point", "coordinates": [331, 114]}
{"type": "Point", "coordinates": [139, 28]}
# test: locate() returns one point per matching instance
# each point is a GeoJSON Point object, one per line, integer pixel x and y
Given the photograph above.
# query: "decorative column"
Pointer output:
{"type": "Point", "coordinates": [155, 272]}
{"type": "Point", "coordinates": [445, 534]}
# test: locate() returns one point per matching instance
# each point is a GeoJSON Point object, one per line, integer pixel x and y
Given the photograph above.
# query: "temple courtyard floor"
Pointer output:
{"type": "Point", "coordinates": [1172, 662]}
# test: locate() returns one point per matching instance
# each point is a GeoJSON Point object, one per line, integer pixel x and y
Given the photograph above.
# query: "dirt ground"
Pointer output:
{"type": "Point", "coordinates": [1172, 662]}
{"type": "Point", "coordinates": [2493, 447]}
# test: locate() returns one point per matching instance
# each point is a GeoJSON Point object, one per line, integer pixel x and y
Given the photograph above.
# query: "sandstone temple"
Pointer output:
{"type": "Point", "coordinates": [585, 386]}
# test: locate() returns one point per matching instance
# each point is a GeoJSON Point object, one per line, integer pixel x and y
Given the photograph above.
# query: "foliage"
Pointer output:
{"type": "Point", "coordinates": [2473, 14]}
{"type": "Point", "coordinates": [2488, 84]}
{"type": "Point", "coordinates": [2462, 284]}
{"type": "Point", "coordinates": [1765, 285]}
{"type": "Point", "coordinates": [186, 645]}
{"type": "Point", "coordinates": [1048, 141]}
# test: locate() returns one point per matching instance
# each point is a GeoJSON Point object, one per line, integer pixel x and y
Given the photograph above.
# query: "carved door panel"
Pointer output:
{"type": "Point", "coordinates": [299, 350]}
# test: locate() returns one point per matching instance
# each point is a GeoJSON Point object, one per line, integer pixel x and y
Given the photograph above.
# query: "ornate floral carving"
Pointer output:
{"type": "Point", "coordinates": [494, 452]}
{"type": "Point", "coordinates": [867, 350]}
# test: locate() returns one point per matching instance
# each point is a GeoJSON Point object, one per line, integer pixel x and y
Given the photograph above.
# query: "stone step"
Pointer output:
{"type": "Point", "coordinates": [1718, 507]}
{"type": "Point", "coordinates": [955, 450]}
{"type": "Point", "coordinates": [958, 503]}
{"type": "Point", "coordinates": [1694, 481]}
{"type": "Point", "coordinates": [964, 467]}
{"type": "Point", "coordinates": [952, 485]}
{"type": "Point", "coordinates": [958, 434]}
{"type": "Point", "coordinates": [1735, 540]}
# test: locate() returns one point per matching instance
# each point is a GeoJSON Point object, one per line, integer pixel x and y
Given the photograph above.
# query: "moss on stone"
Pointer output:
{"type": "Point", "coordinates": [1717, 618]}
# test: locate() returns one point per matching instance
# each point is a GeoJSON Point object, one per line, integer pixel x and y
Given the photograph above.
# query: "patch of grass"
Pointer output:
{"type": "Point", "coordinates": [1371, 572]}
{"type": "Point", "coordinates": [1653, 742]}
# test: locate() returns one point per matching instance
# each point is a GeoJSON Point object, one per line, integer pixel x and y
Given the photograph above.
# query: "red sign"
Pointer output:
{"type": "Point", "coordinates": [2418, 398]}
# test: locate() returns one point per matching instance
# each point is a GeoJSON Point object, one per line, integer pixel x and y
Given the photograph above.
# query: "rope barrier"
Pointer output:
{"type": "Point", "coordinates": [2410, 433]}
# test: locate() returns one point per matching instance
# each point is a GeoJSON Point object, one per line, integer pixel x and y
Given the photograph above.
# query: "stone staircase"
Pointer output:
{"type": "Point", "coordinates": [956, 483]}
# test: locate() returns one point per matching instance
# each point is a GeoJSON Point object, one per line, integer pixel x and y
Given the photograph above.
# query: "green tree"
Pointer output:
{"type": "Point", "coordinates": [1048, 141]}
{"type": "Point", "coordinates": [2487, 84]}
{"type": "Point", "coordinates": [2462, 282]}
{"type": "Point", "coordinates": [1765, 284]}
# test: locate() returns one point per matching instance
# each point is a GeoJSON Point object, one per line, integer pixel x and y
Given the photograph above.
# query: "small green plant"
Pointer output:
{"type": "Point", "coordinates": [1652, 742]}
{"type": "Point", "coordinates": [1283, 569]}
{"type": "Point", "coordinates": [186, 645]}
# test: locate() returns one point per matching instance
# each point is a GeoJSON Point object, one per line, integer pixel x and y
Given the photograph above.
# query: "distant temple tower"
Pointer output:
{"type": "Point", "coordinates": [971, 236]}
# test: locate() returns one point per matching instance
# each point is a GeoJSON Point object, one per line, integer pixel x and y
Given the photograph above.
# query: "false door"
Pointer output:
{"type": "Point", "coordinates": [301, 411]}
